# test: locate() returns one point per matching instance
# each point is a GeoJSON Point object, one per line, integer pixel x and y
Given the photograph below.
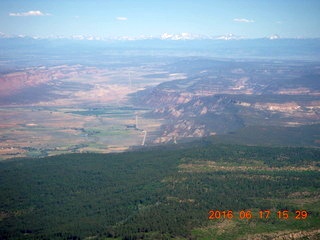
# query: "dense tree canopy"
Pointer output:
{"type": "Point", "coordinates": [158, 193]}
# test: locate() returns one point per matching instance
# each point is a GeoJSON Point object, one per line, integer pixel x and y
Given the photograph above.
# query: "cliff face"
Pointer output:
{"type": "Point", "coordinates": [190, 115]}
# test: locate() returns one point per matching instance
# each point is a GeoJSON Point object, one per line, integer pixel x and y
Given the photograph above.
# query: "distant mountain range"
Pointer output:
{"type": "Point", "coordinates": [185, 45]}
{"type": "Point", "coordinates": [164, 36]}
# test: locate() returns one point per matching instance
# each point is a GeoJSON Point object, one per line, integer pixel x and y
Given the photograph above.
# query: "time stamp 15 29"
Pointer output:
{"type": "Point", "coordinates": [262, 214]}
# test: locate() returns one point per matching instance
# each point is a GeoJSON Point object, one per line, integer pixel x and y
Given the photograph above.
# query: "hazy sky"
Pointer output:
{"type": "Point", "coordinates": [133, 18]}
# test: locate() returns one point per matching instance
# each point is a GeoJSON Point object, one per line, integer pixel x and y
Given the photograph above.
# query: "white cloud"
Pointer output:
{"type": "Point", "coordinates": [244, 20]}
{"type": "Point", "coordinates": [28, 14]}
{"type": "Point", "coordinates": [122, 18]}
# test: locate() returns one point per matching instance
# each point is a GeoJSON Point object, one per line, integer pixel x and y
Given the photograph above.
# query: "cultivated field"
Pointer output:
{"type": "Point", "coordinates": [38, 131]}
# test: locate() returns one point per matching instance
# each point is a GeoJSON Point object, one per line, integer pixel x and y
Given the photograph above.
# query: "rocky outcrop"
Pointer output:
{"type": "Point", "coordinates": [278, 107]}
{"type": "Point", "coordinates": [286, 235]}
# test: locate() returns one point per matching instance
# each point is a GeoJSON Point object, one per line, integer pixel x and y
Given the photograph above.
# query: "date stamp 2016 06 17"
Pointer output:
{"type": "Point", "coordinates": [262, 214]}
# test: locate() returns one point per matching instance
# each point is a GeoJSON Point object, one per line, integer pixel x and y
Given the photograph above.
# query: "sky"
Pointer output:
{"type": "Point", "coordinates": [137, 18]}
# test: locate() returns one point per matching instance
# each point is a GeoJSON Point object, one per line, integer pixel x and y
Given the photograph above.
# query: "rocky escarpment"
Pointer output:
{"type": "Point", "coordinates": [222, 97]}
{"type": "Point", "coordinates": [191, 115]}
{"type": "Point", "coordinates": [188, 114]}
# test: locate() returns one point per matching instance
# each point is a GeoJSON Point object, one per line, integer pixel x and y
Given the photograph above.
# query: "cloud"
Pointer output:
{"type": "Point", "coordinates": [122, 18]}
{"type": "Point", "coordinates": [244, 20]}
{"type": "Point", "coordinates": [28, 14]}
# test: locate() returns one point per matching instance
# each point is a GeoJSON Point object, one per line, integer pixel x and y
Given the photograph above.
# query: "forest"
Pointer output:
{"type": "Point", "coordinates": [163, 192]}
